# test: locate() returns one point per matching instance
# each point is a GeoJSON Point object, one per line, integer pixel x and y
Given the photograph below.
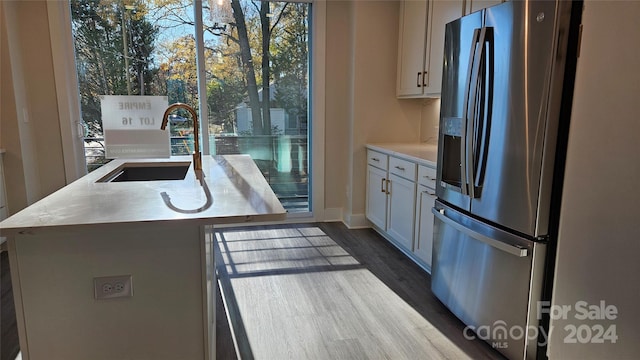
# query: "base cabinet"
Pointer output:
{"type": "Point", "coordinates": [400, 195]}
{"type": "Point", "coordinates": [401, 212]}
{"type": "Point", "coordinates": [423, 249]}
{"type": "Point", "coordinates": [377, 196]}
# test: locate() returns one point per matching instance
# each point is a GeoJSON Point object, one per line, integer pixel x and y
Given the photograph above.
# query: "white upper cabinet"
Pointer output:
{"type": "Point", "coordinates": [421, 45]}
{"type": "Point", "coordinates": [411, 45]}
{"type": "Point", "coordinates": [475, 5]}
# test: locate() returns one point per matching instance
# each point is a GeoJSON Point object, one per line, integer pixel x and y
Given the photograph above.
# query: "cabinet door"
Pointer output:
{"type": "Point", "coordinates": [476, 5]}
{"type": "Point", "coordinates": [424, 224]}
{"type": "Point", "coordinates": [402, 200]}
{"type": "Point", "coordinates": [377, 196]}
{"type": "Point", "coordinates": [440, 13]}
{"type": "Point", "coordinates": [411, 45]}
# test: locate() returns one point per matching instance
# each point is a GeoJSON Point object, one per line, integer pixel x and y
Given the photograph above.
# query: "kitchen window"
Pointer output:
{"type": "Point", "coordinates": [247, 73]}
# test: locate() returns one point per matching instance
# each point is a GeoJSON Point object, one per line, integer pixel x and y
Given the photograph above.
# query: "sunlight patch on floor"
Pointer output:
{"type": "Point", "coordinates": [299, 294]}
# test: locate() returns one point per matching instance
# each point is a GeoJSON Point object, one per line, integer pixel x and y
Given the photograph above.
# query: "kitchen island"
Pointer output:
{"type": "Point", "coordinates": [108, 269]}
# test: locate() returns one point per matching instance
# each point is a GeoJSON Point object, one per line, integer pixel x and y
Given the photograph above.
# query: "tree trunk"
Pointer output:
{"type": "Point", "coordinates": [250, 74]}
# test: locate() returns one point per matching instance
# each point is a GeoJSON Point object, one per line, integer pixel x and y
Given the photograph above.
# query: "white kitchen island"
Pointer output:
{"type": "Point", "coordinates": [92, 229]}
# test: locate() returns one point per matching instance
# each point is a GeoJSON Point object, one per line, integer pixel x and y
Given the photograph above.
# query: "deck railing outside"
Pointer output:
{"type": "Point", "coordinates": [282, 159]}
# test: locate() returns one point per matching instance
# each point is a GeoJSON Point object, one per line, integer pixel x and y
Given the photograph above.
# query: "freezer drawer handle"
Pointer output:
{"type": "Point", "coordinates": [511, 249]}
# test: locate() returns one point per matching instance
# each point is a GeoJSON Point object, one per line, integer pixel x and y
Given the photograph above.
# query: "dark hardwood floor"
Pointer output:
{"type": "Point", "coordinates": [321, 291]}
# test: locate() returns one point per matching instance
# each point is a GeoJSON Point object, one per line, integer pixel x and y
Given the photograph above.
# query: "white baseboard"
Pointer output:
{"type": "Point", "coordinates": [356, 221]}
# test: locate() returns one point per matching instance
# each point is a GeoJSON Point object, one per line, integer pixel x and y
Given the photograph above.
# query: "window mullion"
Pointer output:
{"type": "Point", "coordinates": [202, 79]}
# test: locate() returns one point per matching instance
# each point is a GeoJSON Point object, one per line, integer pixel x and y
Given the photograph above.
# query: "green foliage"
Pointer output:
{"type": "Point", "coordinates": [99, 45]}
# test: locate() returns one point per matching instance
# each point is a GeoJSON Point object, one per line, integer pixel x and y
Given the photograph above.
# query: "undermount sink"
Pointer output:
{"type": "Point", "coordinates": [151, 171]}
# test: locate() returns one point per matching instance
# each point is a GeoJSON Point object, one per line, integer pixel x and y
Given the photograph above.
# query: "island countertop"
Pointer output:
{"type": "Point", "coordinates": [239, 190]}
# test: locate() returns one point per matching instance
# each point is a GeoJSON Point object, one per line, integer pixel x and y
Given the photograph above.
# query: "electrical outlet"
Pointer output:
{"type": "Point", "coordinates": [109, 287]}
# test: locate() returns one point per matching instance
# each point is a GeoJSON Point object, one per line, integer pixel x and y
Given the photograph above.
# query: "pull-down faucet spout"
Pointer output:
{"type": "Point", "coordinates": [197, 157]}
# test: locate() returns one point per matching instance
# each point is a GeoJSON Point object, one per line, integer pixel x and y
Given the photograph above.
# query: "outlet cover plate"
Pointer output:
{"type": "Point", "coordinates": [109, 287]}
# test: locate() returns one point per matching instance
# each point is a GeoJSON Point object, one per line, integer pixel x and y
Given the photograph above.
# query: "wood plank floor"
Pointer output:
{"type": "Point", "coordinates": [321, 291]}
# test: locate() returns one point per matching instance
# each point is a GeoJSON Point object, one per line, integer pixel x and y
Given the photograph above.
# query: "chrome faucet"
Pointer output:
{"type": "Point", "coordinates": [197, 157]}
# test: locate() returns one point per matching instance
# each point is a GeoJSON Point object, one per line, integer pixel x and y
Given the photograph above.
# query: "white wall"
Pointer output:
{"type": "Point", "coordinates": [362, 39]}
{"type": "Point", "coordinates": [30, 123]}
{"type": "Point", "coordinates": [338, 104]}
{"type": "Point", "coordinates": [599, 241]}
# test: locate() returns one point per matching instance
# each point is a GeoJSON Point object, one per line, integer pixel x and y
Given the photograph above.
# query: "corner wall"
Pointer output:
{"type": "Point", "coordinates": [362, 107]}
{"type": "Point", "coordinates": [598, 246]}
{"type": "Point", "coordinates": [30, 122]}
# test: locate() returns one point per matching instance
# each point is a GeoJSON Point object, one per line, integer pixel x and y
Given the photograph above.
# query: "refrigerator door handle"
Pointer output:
{"type": "Point", "coordinates": [511, 249]}
{"type": "Point", "coordinates": [465, 120]}
{"type": "Point", "coordinates": [481, 133]}
{"type": "Point", "coordinates": [471, 112]}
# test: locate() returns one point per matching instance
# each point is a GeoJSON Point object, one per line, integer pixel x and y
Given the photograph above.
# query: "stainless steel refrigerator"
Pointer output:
{"type": "Point", "coordinates": [507, 83]}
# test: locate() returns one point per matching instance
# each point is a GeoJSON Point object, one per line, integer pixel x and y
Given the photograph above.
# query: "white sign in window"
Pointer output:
{"type": "Point", "coordinates": [131, 126]}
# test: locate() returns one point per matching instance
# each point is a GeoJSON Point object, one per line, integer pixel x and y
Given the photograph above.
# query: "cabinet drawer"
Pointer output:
{"type": "Point", "coordinates": [377, 159]}
{"type": "Point", "coordinates": [403, 168]}
{"type": "Point", "coordinates": [427, 176]}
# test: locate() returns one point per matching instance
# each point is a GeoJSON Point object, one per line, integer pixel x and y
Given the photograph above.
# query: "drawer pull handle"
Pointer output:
{"type": "Point", "coordinates": [429, 177]}
{"type": "Point", "coordinates": [388, 182]}
{"type": "Point", "coordinates": [400, 168]}
{"type": "Point", "coordinates": [382, 185]}
{"type": "Point", "coordinates": [429, 193]}
{"type": "Point", "coordinates": [375, 159]}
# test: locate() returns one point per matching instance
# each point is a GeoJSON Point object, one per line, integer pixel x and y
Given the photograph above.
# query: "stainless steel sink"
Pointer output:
{"type": "Point", "coordinates": [151, 171]}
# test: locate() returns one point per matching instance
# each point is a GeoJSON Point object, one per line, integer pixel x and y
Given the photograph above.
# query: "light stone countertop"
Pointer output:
{"type": "Point", "coordinates": [239, 190]}
{"type": "Point", "coordinates": [425, 153]}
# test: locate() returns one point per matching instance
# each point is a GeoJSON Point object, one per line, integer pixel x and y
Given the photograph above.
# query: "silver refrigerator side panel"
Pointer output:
{"type": "Point", "coordinates": [489, 279]}
{"type": "Point", "coordinates": [521, 119]}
